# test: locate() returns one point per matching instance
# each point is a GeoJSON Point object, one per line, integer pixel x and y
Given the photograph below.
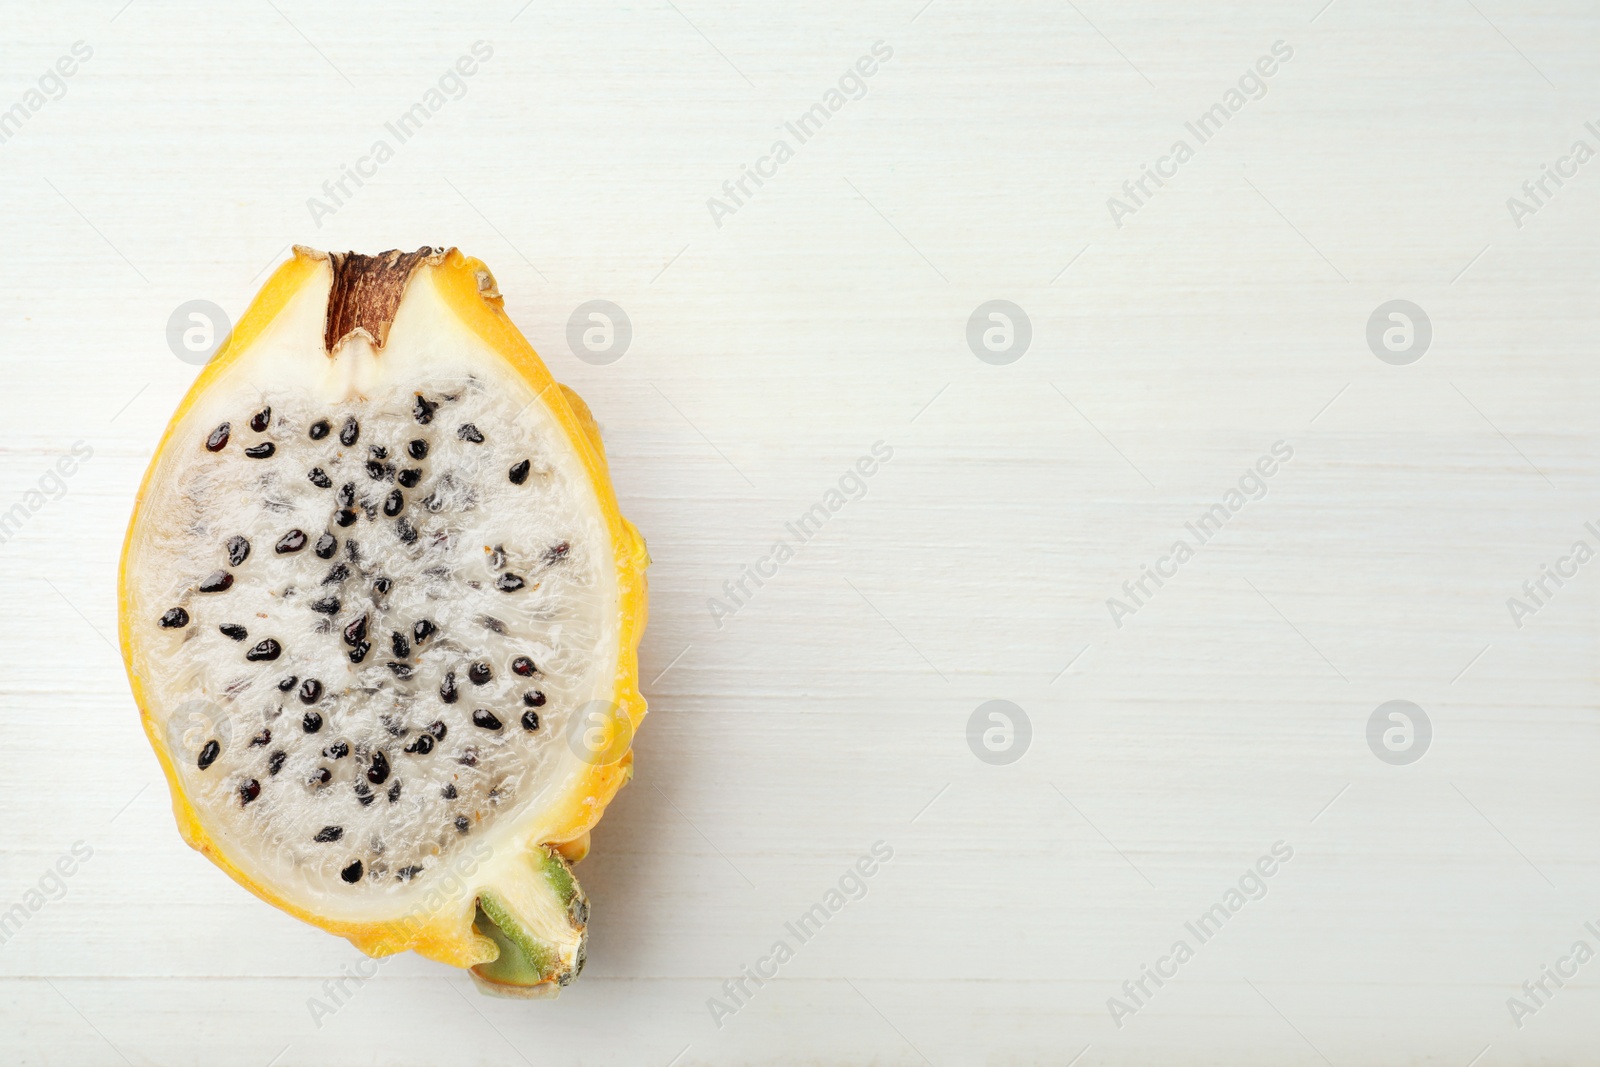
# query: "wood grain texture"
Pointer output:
{"type": "Point", "coordinates": [827, 313]}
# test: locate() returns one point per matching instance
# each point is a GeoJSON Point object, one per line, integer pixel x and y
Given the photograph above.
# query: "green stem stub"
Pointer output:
{"type": "Point", "coordinates": [539, 920]}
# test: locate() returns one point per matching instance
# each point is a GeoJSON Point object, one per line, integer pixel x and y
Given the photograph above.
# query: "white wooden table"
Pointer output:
{"type": "Point", "coordinates": [828, 311]}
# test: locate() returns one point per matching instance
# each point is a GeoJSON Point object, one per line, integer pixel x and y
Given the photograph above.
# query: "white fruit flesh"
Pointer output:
{"type": "Point", "coordinates": [473, 527]}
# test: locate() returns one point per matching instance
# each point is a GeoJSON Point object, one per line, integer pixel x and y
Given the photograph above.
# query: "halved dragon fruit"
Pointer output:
{"type": "Point", "coordinates": [380, 613]}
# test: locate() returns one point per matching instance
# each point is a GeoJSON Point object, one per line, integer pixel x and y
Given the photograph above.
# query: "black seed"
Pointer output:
{"type": "Point", "coordinates": [352, 550]}
{"type": "Point", "coordinates": [355, 631]}
{"type": "Point", "coordinates": [216, 582]}
{"type": "Point", "coordinates": [491, 623]}
{"type": "Point", "coordinates": [379, 452]}
{"type": "Point", "coordinates": [449, 791]}
{"type": "Point", "coordinates": [533, 698]}
{"type": "Point", "coordinates": [468, 757]}
{"type": "Point", "coordinates": [421, 745]}
{"type": "Point", "coordinates": [293, 541]}
{"type": "Point", "coordinates": [409, 477]}
{"type": "Point", "coordinates": [557, 553]}
{"type": "Point", "coordinates": [218, 439]}
{"type": "Point", "coordinates": [375, 470]}
{"type": "Point", "coordinates": [337, 750]}
{"type": "Point", "coordinates": [209, 754]}
{"type": "Point", "coordinates": [463, 824]}
{"type": "Point", "coordinates": [393, 503]}
{"type": "Point", "coordinates": [447, 688]}
{"type": "Point", "coordinates": [469, 432]}
{"type": "Point", "coordinates": [326, 606]}
{"type": "Point", "coordinates": [261, 739]}
{"type": "Point", "coordinates": [497, 558]}
{"type": "Point", "coordinates": [319, 478]}
{"type": "Point", "coordinates": [264, 650]}
{"type": "Point", "coordinates": [346, 517]}
{"type": "Point", "coordinates": [519, 472]}
{"type": "Point", "coordinates": [436, 730]}
{"type": "Point", "coordinates": [321, 776]}
{"type": "Point", "coordinates": [338, 573]}
{"type": "Point", "coordinates": [234, 630]}
{"type": "Point", "coordinates": [328, 835]}
{"type": "Point", "coordinates": [485, 719]}
{"type": "Point", "coordinates": [310, 692]}
{"type": "Point", "coordinates": [311, 723]}
{"type": "Point", "coordinates": [479, 673]}
{"type": "Point", "coordinates": [177, 618]}
{"type": "Point", "coordinates": [421, 630]}
{"type": "Point", "coordinates": [261, 451]}
{"type": "Point", "coordinates": [398, 642]}
{"type": "Point", "coordinates": [346, 495]}
{"type": "Point", "coordinates": [275, 762]}
{"type": "Point", "coordinates": [382, 586]}
{"type": "Point", "coordinates": [319, 429]}
{"type": "Point", "coordinates": [261, 419]}
{"type": "Point", "coordinates": [530, 720]}
{"type": "Point", "coordinates": [359, 653]}
{"type": "Point", "coordinates": [406, 531]}
{"type": "Point", "coordinates": [350, 432]}
{"type": "Point", "coordinates": [401, 670]}
{"type": "Point", "coordinates": [379, 771]}
{"type": "Point", "coordinates": [352, 873]}
{"type": "Point", "coordinates": [363, 793]}
{"type": "Point", "coordinates": [417, 449]}
{"type": "Point", "coordinates": [423, 410]}
{"type": "Point", "coordinates": [523, 666]}
{"type": "Point", "coordinates": [509, 583]}
{"type": "Point", "coordinates": [238, 550]}
{"type": "Point", "coordinates": [287, 684]}
{"type": "Point", "coordinates": [249, 789]}
{"type": "Point", "coordinates": [405, 874]}
{"type": "Point", "coordinates": [326, 546]}
{"type": "Point", "coordinates": [394, 791]}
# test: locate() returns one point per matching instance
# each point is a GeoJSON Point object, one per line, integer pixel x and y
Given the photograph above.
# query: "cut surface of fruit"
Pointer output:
{"type": "Point", "coordinates": [539, 927]}
{"type": "Point", "coordinates": [376, 598]}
